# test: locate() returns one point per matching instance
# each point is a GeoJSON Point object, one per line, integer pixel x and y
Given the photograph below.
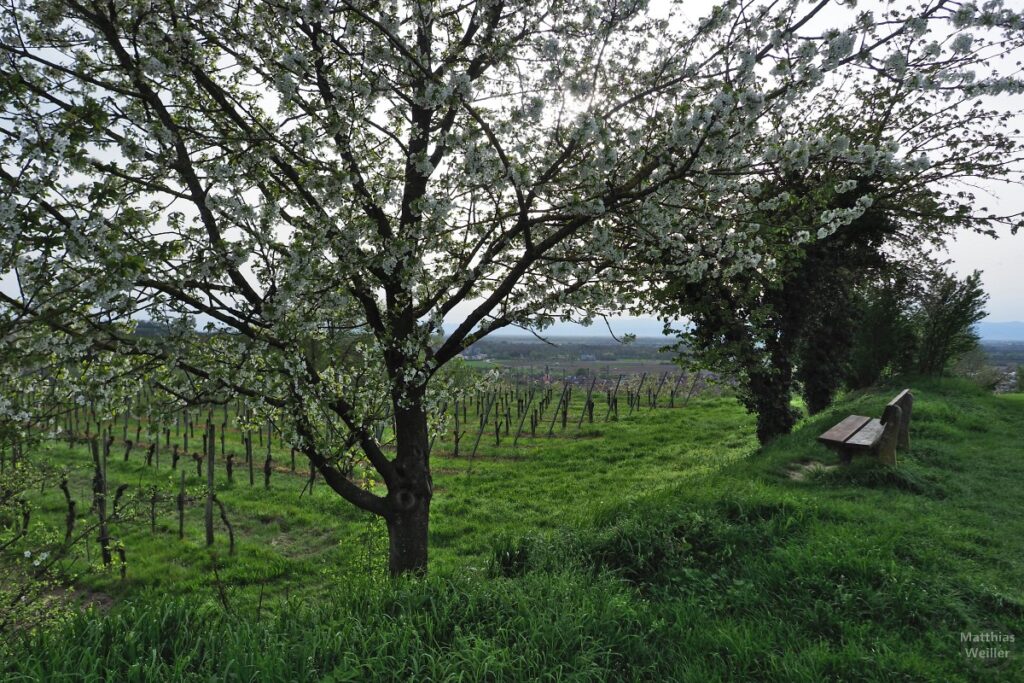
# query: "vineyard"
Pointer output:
{"type": "Point", "coordinates": [126, 497]}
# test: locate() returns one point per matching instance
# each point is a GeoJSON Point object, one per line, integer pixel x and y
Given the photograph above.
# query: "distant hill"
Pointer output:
{"type": "Point", "coordinates": [649, 330]}
{"type": "Point", "coordinates": [148, 328]}
{"type": "Point", "coordinates": [1007, 331]}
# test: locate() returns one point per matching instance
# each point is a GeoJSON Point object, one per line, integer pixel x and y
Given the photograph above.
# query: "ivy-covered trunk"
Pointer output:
{"type": "Point", "coordinates": [771, 396]}
{"type": "Point", "coordinates": [410, 490]}
{"type": "Point", "coordinates": [770, 393]}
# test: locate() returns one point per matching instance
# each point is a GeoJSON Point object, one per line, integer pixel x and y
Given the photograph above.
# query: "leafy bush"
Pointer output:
{"type": "Point", "coordinates": [948, 312]}
{"type": "Point", "coordinates": [916, 323]}
{"type": "Point", "coordinates": [885, 339]}
{"type": "Point", "coordinates": [31, 590]}
{"type": "Point", "coordinates": [974, 366]}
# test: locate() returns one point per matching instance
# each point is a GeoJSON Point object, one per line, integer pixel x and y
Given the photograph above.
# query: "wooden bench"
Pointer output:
{"type": "Point", "coordinates": [858, 434]}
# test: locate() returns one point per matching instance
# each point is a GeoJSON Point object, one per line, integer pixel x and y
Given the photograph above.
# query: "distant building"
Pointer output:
{"type": "Point", "coordinates": [588, 357]}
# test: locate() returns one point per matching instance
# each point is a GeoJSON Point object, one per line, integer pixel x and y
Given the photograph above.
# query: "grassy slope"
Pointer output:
{"type": "Point", "coordinates": [653, 549]}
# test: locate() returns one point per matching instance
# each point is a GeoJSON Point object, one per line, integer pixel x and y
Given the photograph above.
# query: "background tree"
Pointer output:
{"type": "Point", "coordinates": [767, 329]}
{"type": "Point", "coordinates": [885, 340]}
{"type": "Point", "coordinates": [949, 310]}
{"type": "Point", "coordinates": [919, 322]}
{"type": "Point", "coordinates": [288, 173]}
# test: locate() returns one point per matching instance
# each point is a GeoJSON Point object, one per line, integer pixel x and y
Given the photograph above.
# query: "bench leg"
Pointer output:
{"type": "Point", "coordinates": [845, 454]}
{"type": "Point", "coordinates": [890, 436]}
{"type": "Point", "coordinates": [907, 407]}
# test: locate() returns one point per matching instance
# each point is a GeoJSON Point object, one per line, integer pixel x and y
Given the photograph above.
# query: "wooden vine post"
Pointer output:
{"type": "Point", "coordinates": [99, 492]}
{"type": "Point", "coordinates": [613, 400]}
{"type": "Point", "coordinates": [268, 463]}
{"type": "Point", "coordinates": [554, 415]}
{"type": "Point", "coordinates": [525, 412]}
{"type": "Point", "coordinates": [672, 394]}
{"type": "Point", "coordinates": [231, 530]}
{"type": "Point", "coordinates": [181, 507]}
{"type": "Point", "coordinates": [211, 448]}
{"type": "Point", "coordinates": [636, 402]}
{"type": "Point", "coordinates": [588, 405]}
{"type": "Point", "coordinates": [480, 433]}
{"type": "Point", "coordinates": [459, 431]}
{"type": "Point", "coordinates": [69, 520]}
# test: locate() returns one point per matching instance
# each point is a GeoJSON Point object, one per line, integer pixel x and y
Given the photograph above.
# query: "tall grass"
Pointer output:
{"type": "Point", "coordinates": [551, 626]}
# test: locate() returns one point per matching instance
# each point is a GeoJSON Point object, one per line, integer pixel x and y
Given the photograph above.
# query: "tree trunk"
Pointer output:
{"type": "Point", "coordinates": [407, 539]}
{"type": "Point", "coordinates": [771, 392]}
{"type": "Point", "coordinates": [410, 491]}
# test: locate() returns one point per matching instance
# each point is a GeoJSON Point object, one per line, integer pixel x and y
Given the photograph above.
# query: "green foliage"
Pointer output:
{"type": "Point", "coordinates": [792, 324]}
{"type": "Point", "coordinates": [868, 474]}
{"type": "Point", "coordinates": [975, 366]}
{"type": "Point", "coordinates": [921, 321]}
{"type": "Point", "coordinates": [31, 588]}
{"type": "Point", "coordinates": [826, 318]}
{"type": "Point", "coordinates": [948, 312]}
{"type": "Point", "coordinates": [884, 341]}
{"type": "Point", "coordinates": [30, 548]}
{"type": "Point", "coordinates": [648, 547]}
{"type": "Point", "coordinates": [437, 629]}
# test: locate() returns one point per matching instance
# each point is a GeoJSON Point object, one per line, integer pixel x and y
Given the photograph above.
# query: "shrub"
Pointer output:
{"type": "Point", "coordinates": [948, 312]}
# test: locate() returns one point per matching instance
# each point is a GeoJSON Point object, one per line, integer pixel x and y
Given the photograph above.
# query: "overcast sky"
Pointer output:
{"type": "Point", "coordinates": [1000, 260]}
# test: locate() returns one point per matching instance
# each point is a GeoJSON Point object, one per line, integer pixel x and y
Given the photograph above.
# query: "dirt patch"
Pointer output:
{"type": "Point", "coordinates": [83, 598]}
{"type": "Point", "coordinates": [800, 471]}
{"type": "Point", "coordinates": [269, 519]}
{"type": "Point", "coordinates": [490, 458]}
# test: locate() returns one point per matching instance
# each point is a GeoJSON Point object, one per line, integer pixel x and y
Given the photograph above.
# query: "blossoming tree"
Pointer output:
{"type": "Point", "coordinates": [289, 171]}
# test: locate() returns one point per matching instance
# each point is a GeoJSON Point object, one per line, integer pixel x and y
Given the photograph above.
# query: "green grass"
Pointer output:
{"type": "Point", "coordinates": [662, 547]}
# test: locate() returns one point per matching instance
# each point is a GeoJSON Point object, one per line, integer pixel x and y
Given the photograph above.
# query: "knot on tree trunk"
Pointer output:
{"type": "Point", "coordinates": [405, 500]}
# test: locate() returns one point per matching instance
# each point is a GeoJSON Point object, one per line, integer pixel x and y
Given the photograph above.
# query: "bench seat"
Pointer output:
{"type": "Point", "coordinates": [845, 429]}
{"type": "Point", "coordinates": [867, 436]}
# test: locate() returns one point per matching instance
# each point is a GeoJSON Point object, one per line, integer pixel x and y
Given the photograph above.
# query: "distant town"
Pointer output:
{"type": "Point", "coordinates": [584, 357]}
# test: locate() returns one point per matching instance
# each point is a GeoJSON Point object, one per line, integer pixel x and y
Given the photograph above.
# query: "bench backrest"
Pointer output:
{"type": "Point", "coordinates": [905, 402]}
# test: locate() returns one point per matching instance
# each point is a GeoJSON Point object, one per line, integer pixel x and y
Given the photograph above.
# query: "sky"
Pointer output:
{"type": "Point", "coordinates": [1002, 264]}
